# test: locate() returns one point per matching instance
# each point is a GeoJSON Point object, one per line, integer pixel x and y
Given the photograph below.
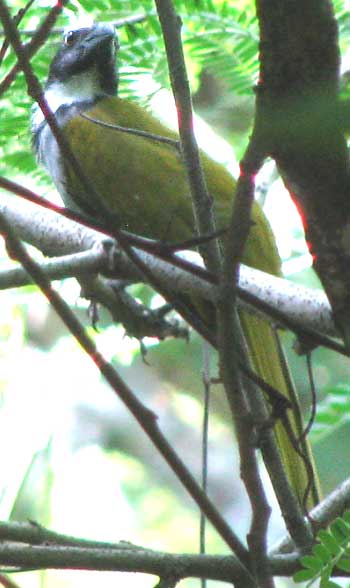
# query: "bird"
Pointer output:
{"type": "Point", "coordinates": [143, 183]}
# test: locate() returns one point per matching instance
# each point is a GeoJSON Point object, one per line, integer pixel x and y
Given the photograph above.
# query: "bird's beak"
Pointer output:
{"type": "Point", "coordinates": [99, 36]}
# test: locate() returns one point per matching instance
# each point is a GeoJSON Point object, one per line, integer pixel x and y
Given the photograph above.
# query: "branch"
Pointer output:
{"type": "Point", "coordinates": [322, 515]}
{"type": "Point", "coordinates": [136, 132]}
{"type": "Point", "coordinates": [229, 335]}
{"type": "Point", "coordinates": [16, 19]}
{"type": "Point", "coordinates": [47, 549]}
{"type": "Point", "coordinates": [56, 236]}
{"type": "Point", "coordinates": [41, 34]}
{"type": "Point", "coordinates": [137, 319]}
{"type": "Point", "coordinates": [145, 417]}
{"type": "Point", "coordinates": [211, 567]}
{"type": "Point", "coordinates": [33, 533]}
{"type": "Point", "coordinates": [120, 22]}
{"type": "Point", "coordinates": [109, 556]}
{"type": "Point", "coordinates": [238, 390]}
{"type": "Point", "coordinates": [297, 100]}
{"type": "Point", "coordinates": [202, 202]}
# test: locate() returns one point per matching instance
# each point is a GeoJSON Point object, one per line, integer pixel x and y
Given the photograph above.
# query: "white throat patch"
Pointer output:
{"type": "Point", "coordinates": [79, 88]}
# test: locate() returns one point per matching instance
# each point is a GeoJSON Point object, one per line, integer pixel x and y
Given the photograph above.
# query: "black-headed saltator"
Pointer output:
{"type": "Point", "coordinates": [144, 183]}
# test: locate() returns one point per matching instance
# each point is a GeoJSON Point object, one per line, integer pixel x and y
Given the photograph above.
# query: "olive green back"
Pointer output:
{"type": "Point", "coordinates": [144, 181]}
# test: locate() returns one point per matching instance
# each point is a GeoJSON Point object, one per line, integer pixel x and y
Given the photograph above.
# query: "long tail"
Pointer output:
{"type": "Point", "coordinates": [295, 451]}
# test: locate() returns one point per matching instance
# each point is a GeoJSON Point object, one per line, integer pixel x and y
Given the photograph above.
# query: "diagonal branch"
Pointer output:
{"type": "Point", "coordinates": [202, 201]}
{"type": "Point", "coordinates": [145, 418]}
{"type": "Point", "coordinates": [41, 34]}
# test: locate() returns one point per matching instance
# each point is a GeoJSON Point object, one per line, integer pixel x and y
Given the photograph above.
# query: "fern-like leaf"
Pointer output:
{"type": "Point", "coordinates": [331, 552]}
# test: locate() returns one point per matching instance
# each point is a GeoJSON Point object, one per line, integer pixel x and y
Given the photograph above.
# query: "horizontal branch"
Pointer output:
{"type": "Point", "coordinates": [212, 567]}
{"type": "Point", "coordinates": [57, 236]}
{"type": "Point", "coordinates": [56, 268]}
{"type": "Point", "coordinates": [120, 22]}
{"type": "Point", "coordinates": [47, 549]}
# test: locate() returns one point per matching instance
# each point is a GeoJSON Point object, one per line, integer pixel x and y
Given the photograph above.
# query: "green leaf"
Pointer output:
{"type": "Point", "coordinates": [344, 564]}
{"type": "Point", "coordinates": [325, 575]}
{"type": "Point", "coordinates": [329, 542]}
{"type": "Point", "coordinates": [303, 575]}
{"type": "Point", "coordinates": [312, 562]}
{"type": "Point", "coordinates": [321, 551]}
{"type": "Point", "coordinates": [340, 530]}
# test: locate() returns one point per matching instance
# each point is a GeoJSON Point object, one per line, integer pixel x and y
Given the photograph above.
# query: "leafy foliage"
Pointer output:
{"type": "Point", "coordinates": [333, 410]}
{"type": "Point", "coordinates": [219, 36]}
{"type": "Point", "coordinates": [332, 551]}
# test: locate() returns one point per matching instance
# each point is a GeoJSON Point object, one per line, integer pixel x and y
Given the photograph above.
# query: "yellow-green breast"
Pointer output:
{"type": "Point", "coordinates": [144, 181]}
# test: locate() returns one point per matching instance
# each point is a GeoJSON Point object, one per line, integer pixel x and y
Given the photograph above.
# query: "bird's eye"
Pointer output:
{"type": "Point", "coordinates": [70, 38]}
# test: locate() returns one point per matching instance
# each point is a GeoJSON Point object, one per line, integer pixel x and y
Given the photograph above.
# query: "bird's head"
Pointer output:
{"type": "Point", "coordinates": [86, 57]}
{"type": "Point", "coordinates": [83, 70]}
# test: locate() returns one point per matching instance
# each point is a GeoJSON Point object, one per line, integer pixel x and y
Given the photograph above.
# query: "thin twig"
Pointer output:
{"type": "Point", "coordinates": [16, 19]}
{"type": "Point", "coordinates": [313, 396]}
{"type": "Point", "coordinates": [136, 132]}
{"type": "Point", "coordinates": [312, 491]}
{"type": "Point", "coordinates": [231, 374]}
{"type": "Point", "coordinates": [205, 222]}
{"type": "Point", "coordinates": [119, 23]}
{"type": "Point", "coordinates": [205, 440]}
{"type": "Point", "coordinates": [230, 337]}
{"type": "Point", "coordinates": [36, 42]}
{"type": "Point", "coordinates": [7, 582]}
{"type": "Point", "coordinates": [202, 202]}
{"type": "Point", "coordinates": [33, 533]}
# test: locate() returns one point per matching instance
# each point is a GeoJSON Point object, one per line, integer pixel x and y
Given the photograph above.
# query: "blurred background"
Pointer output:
{"type": "Point", "coordinates": [71, 457]}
